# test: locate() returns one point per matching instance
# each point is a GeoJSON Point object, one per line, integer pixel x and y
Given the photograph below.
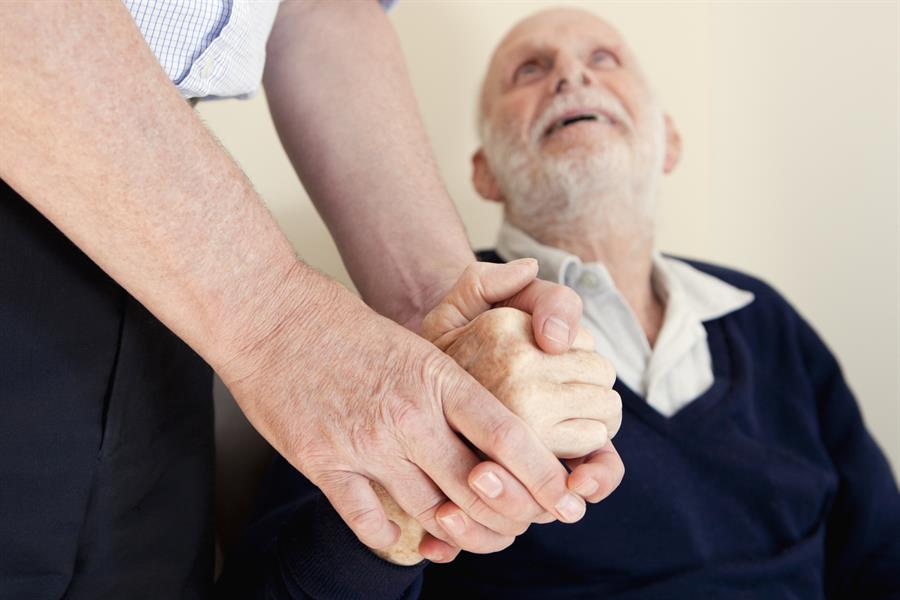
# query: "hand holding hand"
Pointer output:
{"type": "Point", "coordinates": [566, 399]}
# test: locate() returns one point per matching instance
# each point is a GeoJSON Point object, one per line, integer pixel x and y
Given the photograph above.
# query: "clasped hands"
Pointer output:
{"type": "Point", "coordinates": [358, 404]}
{"type": "Point", "coordinates": [566, 399]}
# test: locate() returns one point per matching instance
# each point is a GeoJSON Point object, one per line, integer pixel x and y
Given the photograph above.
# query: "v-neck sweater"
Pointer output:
{"type": "Point", "coordinates": [767, 486]}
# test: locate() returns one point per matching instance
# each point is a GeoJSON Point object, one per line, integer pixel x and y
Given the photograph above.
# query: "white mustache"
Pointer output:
{"type": "Point", "coordinates": [593, 99]}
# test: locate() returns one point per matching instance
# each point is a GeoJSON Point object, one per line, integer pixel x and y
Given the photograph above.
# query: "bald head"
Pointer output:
{"type": "Point", "coordinates": [566, 113]}
{"type": "Point", "coordinates": [538, 32]}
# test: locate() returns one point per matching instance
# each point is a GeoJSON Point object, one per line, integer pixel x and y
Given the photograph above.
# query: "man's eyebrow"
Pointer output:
{"type": "Point", "coordinates": [527, 48]}
{"type": "Point", "coordinates": [523, 49]}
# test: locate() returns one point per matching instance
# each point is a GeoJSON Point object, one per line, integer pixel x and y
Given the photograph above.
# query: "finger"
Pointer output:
{"type": "Point", "coordinates": [576, 437]}
{"type": "Point", "coordinates": [578, 366]}
{"type": "Point", "coordinates": [479, 287]}
{"type": "Point", "coordinates": [411, 500]}
{"type": "Point", "coordinates": [471, 535]}
{"type": "Point", "coordinates": [596, 476]}
{"type": "Point", "coordinates": [503, 492]}
{"type": "Point", "coordinates": [437, 550]}
{"type": "Point", "coordinates": [586, 401]}
{"type": "Point", "coordinates": [449, 469]}
{"type": "Point", "coordinates": [545, 404]}
{"type": "Point", "coordinates": [544, 518]}
{"type": "Point", "coordinates": [556, 312]}
{"type": "Point", "coordinates": [502, 436]}
{"type": "Point", "coordinates": [358, 505]}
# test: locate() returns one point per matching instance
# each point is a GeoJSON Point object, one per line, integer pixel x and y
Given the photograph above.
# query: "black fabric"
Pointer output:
{"type": "Point", "coordinates": [766, 487]}
{"type": "Point", "coordinates": [106, 443]}
{"type": "Point", "coordinates": [301, 548]}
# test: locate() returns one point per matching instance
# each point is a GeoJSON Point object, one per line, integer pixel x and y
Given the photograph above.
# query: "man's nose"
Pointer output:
{"type": "Point", "coordinates": [571, 73]}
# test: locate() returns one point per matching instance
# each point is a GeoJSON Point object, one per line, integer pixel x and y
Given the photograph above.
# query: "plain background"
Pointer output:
{"type": "Point", "coordinates": [789, 117]}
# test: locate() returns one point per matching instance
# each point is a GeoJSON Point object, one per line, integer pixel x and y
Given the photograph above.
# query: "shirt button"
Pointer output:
{"type": "Point", "coordinates": [588, 280]}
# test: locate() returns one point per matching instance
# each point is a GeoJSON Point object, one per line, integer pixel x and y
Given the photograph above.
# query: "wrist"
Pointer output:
{"type": "Point", "coordinates": [411, 309]}
{"type": "Point", "coordinates": [289, 314]}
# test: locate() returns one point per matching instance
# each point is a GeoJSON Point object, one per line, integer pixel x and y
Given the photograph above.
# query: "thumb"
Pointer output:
{"type": "Point", "coordinates": [556, 314]}
{"type": "Point", "coordinates": [479, 287]}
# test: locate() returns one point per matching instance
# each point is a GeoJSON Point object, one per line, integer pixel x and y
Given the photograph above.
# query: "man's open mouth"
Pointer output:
{"type": "Point", "coordinates": [571, 119]}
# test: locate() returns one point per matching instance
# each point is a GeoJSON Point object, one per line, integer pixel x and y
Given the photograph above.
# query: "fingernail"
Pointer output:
{"type": "Point", "coordinates": [557, 330]}
{"type": "Point", "coordinates": [570, 507]}
{"type": "Point", "coordinates": [587, 487]}
{"type": "Point", "coordinates": [488, 484]}
{"type": "Point", "coordinates": [454, 524]}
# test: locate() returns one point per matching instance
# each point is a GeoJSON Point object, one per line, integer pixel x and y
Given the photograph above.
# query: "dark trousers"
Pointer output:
{"type": "Point", "coordinates": [106, 442]}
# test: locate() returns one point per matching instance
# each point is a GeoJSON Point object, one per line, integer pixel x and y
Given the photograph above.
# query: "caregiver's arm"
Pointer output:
{"type": "Point", "coordinates": [341, 100]}
{"type": "Point", "coordinates": [353, 133]}
{"type": "Point", "coordinates": [98, 140]}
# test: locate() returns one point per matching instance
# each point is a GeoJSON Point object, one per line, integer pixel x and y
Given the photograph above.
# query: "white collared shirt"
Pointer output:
{"type": "Point", "coordinates": [678, 369]}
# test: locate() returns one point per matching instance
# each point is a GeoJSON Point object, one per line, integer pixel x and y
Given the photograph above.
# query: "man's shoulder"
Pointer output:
{"type": "Point", "coordinates": [762, 291]}
{"type": "Point", "coordinates": [769, 309]}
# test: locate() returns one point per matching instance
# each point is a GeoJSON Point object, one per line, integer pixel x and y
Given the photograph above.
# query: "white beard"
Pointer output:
{"type": "Point", "coordinates": [607, 186]}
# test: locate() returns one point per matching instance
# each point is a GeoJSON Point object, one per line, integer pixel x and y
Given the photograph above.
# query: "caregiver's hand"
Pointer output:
{"type": "Point", "coordinates": [350, 398]}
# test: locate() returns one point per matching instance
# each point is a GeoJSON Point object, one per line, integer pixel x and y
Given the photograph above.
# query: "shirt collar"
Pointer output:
{"type": "Point", "coordinates": [704, 295]}
{"type": "Point", "coordinates": [553, 263]}
{"type": "Point", "coordinates": [707, 296]}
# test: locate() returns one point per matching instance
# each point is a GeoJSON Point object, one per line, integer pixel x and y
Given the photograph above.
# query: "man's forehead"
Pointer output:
{"type": "Point", "coordinates": [548, 29]}
{"type": "Point", "coordinates": [544, 32]}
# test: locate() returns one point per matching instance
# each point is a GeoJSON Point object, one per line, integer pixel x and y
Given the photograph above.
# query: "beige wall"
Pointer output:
{"type": "Point", "coordinates": [789, 114]}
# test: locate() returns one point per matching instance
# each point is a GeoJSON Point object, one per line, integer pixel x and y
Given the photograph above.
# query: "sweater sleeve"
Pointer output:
{"type": "Point", "coordinates": [299, 548]}
{"type": "Point", "coordinates": [863, 527]}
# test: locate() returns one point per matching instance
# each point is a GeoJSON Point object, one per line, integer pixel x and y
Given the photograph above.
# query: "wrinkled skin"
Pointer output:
{"type": "Point", "coordinates": [566, 399]}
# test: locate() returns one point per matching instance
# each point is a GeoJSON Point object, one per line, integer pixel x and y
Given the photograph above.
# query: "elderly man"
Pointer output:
{"type": "Point", "coordinates": [750, 472]}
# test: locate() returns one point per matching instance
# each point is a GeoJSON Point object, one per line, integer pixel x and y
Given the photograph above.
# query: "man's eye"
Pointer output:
{"type": "Point", "coordinates": [528, 72]}
{"type": "Point", "coordinates": [604, 58]}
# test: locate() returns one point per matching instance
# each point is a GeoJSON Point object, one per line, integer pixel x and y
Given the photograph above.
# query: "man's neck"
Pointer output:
{"type": "Point", "coordinates": [626, 253]}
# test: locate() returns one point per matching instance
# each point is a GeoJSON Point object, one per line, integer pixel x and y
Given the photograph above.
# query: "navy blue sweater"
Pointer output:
{"type": "Point", "coordinates": [767, 486]}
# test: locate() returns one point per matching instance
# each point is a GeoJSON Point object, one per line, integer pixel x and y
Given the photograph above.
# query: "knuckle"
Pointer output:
{"type": "Point", "coordinates": [365, 521]}
{"type": "Point", "coordinates": [522, 397]}
{"type": "Point", "coordinates": [515, 361]}
{"type": "Point", "coordinates": [481, 513]}
{"type": "Point", "coordinates": [506, 436]}
{"type": "Point", "coordinates": [474, 269]}
{"type": "Point", "coordinates": [549, 484]}
{"type": "Point", "coordinates": [560, 295]}
{"type": "Point", "coordinates": [607, 370]}
{"type": "Point", "coordinates": [428, 513]}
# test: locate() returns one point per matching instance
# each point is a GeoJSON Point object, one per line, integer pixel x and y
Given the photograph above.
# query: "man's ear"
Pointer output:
{"type": "Point", "coordinates": [673, 145]}
{"type": "Point", "coordinates": [483, 178]}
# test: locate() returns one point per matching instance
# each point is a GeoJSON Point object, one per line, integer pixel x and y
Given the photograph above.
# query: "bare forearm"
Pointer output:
{"type": "Point", "coordinates": [101, 143]}
{"type": "Point", "coordinates": [353, 133]}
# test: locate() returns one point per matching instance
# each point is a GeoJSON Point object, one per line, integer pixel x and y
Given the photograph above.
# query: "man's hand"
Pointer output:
{"type": "Point", "coordinates": [567, 399]}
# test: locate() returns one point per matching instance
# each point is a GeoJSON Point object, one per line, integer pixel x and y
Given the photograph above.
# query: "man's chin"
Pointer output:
{"type": "Point", "coordinates": [586, 168]}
